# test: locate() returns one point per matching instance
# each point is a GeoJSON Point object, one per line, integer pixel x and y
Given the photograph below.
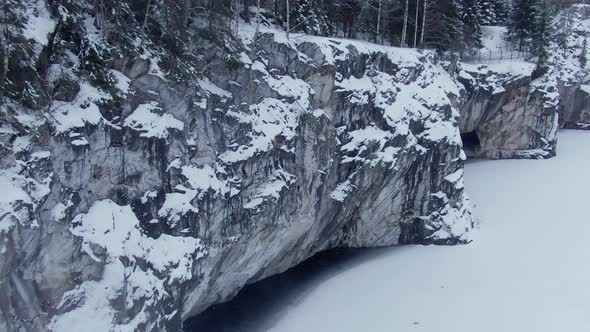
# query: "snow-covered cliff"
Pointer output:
{"type": "Point", "coordinates": [569, 66]}
{"type": "Point", "coordinates": [138, 200]}
{"type": "Point", "coordinates": [511, 114]}
{"type": "Point", "coordinates": [146, 180]}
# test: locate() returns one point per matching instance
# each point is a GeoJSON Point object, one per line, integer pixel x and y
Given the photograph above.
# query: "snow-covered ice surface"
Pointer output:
{"type": "Point", "coordinates": [527, 269]}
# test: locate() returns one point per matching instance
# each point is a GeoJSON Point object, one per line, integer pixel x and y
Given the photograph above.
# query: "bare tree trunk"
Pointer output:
{"type": "Point", "coordinates": [237, 15]}
{"type": "Point", "coordinates": [405, 29]}
{"type": "Point", "coordinates": [5, 47]}
{"type": "Point", "coordinates": [378, 22]}
{"type": "Point", "coordinates": [416, 23]}
{"type": "Point", "coordinates": [257, 18]}
{"type": "Point", "coordinates": [4, 50]}
{"type": "Point", "coordinates": [288, 19]}
{"type": "Point", "coordinates": [425, 9]}
{"type": "Point", "coordinates": [145, 19]}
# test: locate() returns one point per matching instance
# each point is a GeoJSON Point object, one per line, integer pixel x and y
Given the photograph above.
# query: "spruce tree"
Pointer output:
{"type": "Point", "coordinates": [346, 12]}
{"type": "Point", "coordinates": [451, 31]}
{"type": "Point", "coordinates": [541, 33]}
{"type": "Point", "coordinates": [564, 31]}
{"type": "Point", "coordinates": [488, 12]}
{"type": "Point", "coordinates": [502, 11]}
{"type": "Point", "coordinates": [12, 21]}
{"type": "Point", "coordinates": [522, 22]}
{"type": "Point", "coordinates": [471, 18]}
{"type": "Point", "coordinates": [309, 18]}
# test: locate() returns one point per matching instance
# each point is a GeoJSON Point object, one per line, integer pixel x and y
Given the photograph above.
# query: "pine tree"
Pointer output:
{"type": "Point", "coordinates": [565, 30]}
{"type": "Point", "coordinates": [488, 12]}
{"type": "Point", "coordinates": [471, 17]}
{"type": "Point", "coordinates": [541, 33]}
{"type": "Point", "coordinates": [346, 13]}
{"type": "Point", "coordinates": [451, 26]}
{"type": "Point", "coordinates": [12, 21]}
{"type": "Point", "coordinates": [309, 18]}
{"type": "Point", "coordinates": [522, 22]}
{"type": "Point", "coordinates": [502, 11]}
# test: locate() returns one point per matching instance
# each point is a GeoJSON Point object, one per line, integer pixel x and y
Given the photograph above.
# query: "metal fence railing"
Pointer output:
{"type": "Point", "coordinates": [508, 53]}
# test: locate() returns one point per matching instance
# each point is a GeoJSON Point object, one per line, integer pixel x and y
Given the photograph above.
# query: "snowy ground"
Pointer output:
{"type": "Point", "coordinates": [528, 269]}
{"type": "Point", "coordinates": [493, 38]}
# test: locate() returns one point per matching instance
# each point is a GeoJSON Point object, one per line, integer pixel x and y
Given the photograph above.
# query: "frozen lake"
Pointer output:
{"type": "Point", "coordinates": [527, 270]}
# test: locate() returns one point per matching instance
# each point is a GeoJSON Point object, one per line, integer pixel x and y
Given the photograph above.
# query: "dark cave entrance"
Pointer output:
{"type": "Point", "coordinates": [471, 143]}
{"type": "Point", "coordinates": [260, 305]}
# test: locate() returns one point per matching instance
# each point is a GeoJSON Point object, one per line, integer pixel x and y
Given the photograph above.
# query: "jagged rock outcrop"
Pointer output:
{"type": "Point", "coordinates": [141, 190]}
{"type": "Point", "coordinates": [507, 113]}
{"type": "Point", "coordinates": [575, 107]}
{"type": "Point", "coordinates": [569, 66]}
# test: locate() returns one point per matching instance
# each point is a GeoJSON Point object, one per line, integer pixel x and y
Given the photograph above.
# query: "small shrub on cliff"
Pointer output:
{"type": "Point", "coordinates": [233, 64]}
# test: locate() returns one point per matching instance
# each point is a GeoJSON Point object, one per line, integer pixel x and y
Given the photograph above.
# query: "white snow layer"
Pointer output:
{"type": "Point", "coordinates": [200, 181]}
{"type": "Point", "coordinates": [150, 123]}
{"type": "Point", "coordinates": [81, 111]}
{"type": "Point", "coordinates": [115, 229]}
{"type": "Point", "coordinates": [39, 24]}
{"type": "Point", "coordinates": [526, 270]}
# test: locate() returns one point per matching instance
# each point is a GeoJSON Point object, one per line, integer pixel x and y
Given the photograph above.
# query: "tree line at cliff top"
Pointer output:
{"type": "Point", "coordinates": [167, 27]}
{"type": "Point", "coordinates": [453, 25]}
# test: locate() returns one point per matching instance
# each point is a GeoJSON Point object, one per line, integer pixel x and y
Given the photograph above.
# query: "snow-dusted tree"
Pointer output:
{"type": "Point", "coordinates": [502, 11]}
{"type": "Point", "coordinates": [541, 32]}
{"type": "Point", "coordinates": [522, 22]}
{"type": "Point", "coordinates": [488, 12]}
{"type": "Point", "coordinates": [309, 18]}
{"type": "Point", "coordinates": [448, 26]}
{"type": "Point", "coordinates": [471, 18]}
{"type": "Point", "coordinates": [345, 14]}
{"type": "Point", "coordinates": [564, 31]}
{"type": "Point", "coordinates": [12, 20]}
{"type": "Point", "coordinates": [557, 5]}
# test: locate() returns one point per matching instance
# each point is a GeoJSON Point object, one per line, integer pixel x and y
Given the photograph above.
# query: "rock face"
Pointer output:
{"type": "Point", "coordinates": [569, 66]}
{"type": "Point", "coordinates": [140, 193]}
{"type": "Point", "coordinates": [148, 174]}
{"type": "Point", "coordinates": [575, 107]}
{"type": "Point", "coordinates": [509, 114]}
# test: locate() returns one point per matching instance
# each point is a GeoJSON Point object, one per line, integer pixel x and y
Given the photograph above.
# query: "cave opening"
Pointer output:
{"type": "Point", "coordinates": [258, 306]}
{"type": "Point", "coordinates": [471, 143]}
